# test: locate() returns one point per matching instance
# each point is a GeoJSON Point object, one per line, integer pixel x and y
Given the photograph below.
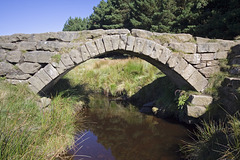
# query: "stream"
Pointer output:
{"type": "Point", "coordinates": [120, 132]}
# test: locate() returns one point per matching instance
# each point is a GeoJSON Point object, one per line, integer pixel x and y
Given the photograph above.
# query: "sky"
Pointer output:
{"type": "Point", "coordinates": [39, 16]}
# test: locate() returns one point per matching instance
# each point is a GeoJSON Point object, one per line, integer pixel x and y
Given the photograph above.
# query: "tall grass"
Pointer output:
{"type": "Point", "coordinates": [28, 132]}
{"type": "Point", "coordinates": [114, 77]}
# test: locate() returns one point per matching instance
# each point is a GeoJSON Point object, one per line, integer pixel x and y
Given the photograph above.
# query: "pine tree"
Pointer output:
{"type": "Point", "coordinates": [76, 24]}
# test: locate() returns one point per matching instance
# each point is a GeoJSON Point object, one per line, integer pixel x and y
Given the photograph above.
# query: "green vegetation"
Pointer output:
{"type": "Point", "coordinates": [114, 77]}
{"type": "Point", "coordinates": [56, 58]}
{"type": "Point", "coordinates": [205, 18]}
{"type": "Point", "coordinates": [30, 132]}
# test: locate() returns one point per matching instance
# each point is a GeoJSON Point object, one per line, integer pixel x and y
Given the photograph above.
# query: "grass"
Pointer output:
{"type": "Point", "coordinates": [114, 77]}
{"type": "Point", "coordinates": [28, 132]}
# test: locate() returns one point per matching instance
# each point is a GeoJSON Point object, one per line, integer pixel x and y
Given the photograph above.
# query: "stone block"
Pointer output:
{"type": "Point", "coordinates": [91, 34]}
{"type": "Point", "coordinates": [180, 67]}
{"type": "Point", "coordinates": [200, 100]}
{"type": "Point", "coordinates": [100, 46]}
{"type": "Point", "coordinates": [195, 111]}
{"type": "Point", "coordinates": [29, 68]}
{"type": "Point", "coordinates": [84, 52]}
{"type": "Point", "coordinates": [188, 71]}
{"type": "Point", "coordinates": [39, 56]}
{"type": "Point", "coordinates": [202, 40]}
{"type": "Point", "coordinates": [51, 71]}
{"type": "Point", "coordinates": [130, 43]}
{"type": "Point", "coordinates": [16, 81]}
{"type": "Point", "coordinates": [66, 60]}
{"type": "Point", "coordinates": [139, 44]}
{"type": "Point", "coordinates": [5, 68]}
{"type": "Point", "coordinates": [141, 33]}
{"type": "Point", "coordinates": [207, 47]}
{"type": "Point", "coordinates": [183, 47]}
{"type": "Point", "coordinates": [207, 56]}
{"type": "Point", "coordinates": [60, 67]}
{"type": "Point", "coordinates": [117, 31]}
{"type": "Point", "coordinates": [193, 58]}
{"type": "Point", "coordinates": [221, 55]}
{"type": "Point", "coordinates": [226, 45]}
{"type": "Point", "coordinates": [33, 89]}
{"type": "Point", "coordinates": [183, 37]}
{"type": "Point", "coordinates": [201, 65]}
{"type": "Point", "coordinates": [173, 60]}
{"type": "Point", "coordinates": [92, 48]}
{"type": "Point", "coordinates": [212, 63]}
{"type": "Point", "coordinates": [36, 82]}
{"type": "Point", "coordinates": [164, 57]}
{"type": "Point", "coordinates": [76, 56]}
{"type": "Point", "coordinates": [43, 76]}
{"type": "Point", "coordinates": [122, 42]}
{"type": "Point", "coordinates": [148, 47]}
{"type": "Point", "coordinates": [3, 54]}
{"type": "Point", "coordinates": [66, 36]}
{"type": "Point", "coordinates": [107, 43]}
{"type": "Point", "coordinates": [51, 46]}
{"type": "Point", "coordinates": [27, 46]}
{"type": "Point", "coordinates": [14, 56]}
{"type": "Point", "coordinates": [115, 41]}
{"type": "Point", "coordinates": [8, 46]}
{"type": "Point", "coordinates": [209, 71]}
{"type": "Point", "coordinates": [157, 51]}
{"type": "Point", "coordinates": [18, 76]}
{"type": "Point", "coordinates": [198, 81]}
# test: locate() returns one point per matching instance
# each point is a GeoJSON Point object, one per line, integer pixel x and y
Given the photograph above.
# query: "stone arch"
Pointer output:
{"type": "Point", "coordinates": [172, 64]}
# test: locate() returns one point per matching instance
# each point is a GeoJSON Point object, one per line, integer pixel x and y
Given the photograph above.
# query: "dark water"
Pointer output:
{"type": "Point", "coordinates": [115, 132]}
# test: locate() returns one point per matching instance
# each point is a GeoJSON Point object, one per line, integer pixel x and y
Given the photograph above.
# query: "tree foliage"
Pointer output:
{"type": "Point", "coordinates": [206, 18]}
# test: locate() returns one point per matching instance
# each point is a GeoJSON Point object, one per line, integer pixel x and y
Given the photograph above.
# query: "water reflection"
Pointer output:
{"type": "Point", "coordinates": [122, 133]}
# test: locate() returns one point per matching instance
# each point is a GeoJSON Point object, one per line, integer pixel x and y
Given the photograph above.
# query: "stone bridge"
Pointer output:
{"type": "Point", "coordinates": [40, 60]}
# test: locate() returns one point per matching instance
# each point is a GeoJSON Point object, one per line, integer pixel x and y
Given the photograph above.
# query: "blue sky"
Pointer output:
{"type": "Point", "coordinates": [38, 16]}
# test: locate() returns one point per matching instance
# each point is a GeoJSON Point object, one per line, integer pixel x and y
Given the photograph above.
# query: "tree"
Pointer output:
{"type": "Point", "coordinates": [76, 24]}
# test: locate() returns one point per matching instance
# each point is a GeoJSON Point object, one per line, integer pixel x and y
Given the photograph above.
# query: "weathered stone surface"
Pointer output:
{"type": "Point", "coordinates": [38, 56]}
{"type": "Point", "coordinates": [84, 52]}
{"type": "Point", "coordinates": [8, 46]}
{"type": "Point", "coordinates": [30, 68]}
{"type": "Point", "coordinates": [184, 37]}
{"type": "Point", "coordinates": [148, 47]}
{"type": "Point", "coordinates": [200, 100]}
{"type": "Point", "coordinates": [184, 47]}
{"type": "Point", "coordinates": [207, 47]}
{"type": "Point", "coordinates": [164, 57]}
{"type": "Point", "coordinates": [92, 48]}
{"type": "Point", "coordinates": [115, 41]}
{"type": "Point", "coordinates": [14, 56]}
{"type": "Point", "coordinates": [188, 71]}
{"type": "Point", "coordinates": [141, 33]}
{"type": "Point", "coordinates": [130, 43]}
{"type": "Point", "coordinates": [202, 40]}
{"type": "Point", "coordinates": [3, 54]}
{"type": "Point", "coordinates": [91, 34]}
{"type": "Point", "coordinates": [220, 55]}
{"type": "Point", "coordinates": [139, 44]}
{"type": "Point", "coordinates": [67, 36]}
{"type": "Point", "coordinates": [122, 42]}
{"type": "Point", "coordinates": [51, 46]}
{"type": "Point", "coordinates": [5, 68]}
{"type": "Point", "coordinates": [198, 81]}
{"type": "Point", "coordinates": [43, 76]}
{"type": "Point", "coordinates": [60, 67]}
{"type": "Point", "coordinates": [51, 71]}
{"type": "Point", "coordinates": [27, 46]}
{"type": "Point", "coordinates": [107, 43]}
{"type": "Point", "coordinates": [100, 45]}
{"type": "Point", "coordinates": [44, 102]}
{"type": "Point", "coordinates": [36, 82]}
{"type": "Point", "coordinates": [67, 61]}
{"type": "Point", "coordinates": [76, 56]}
{"type": "Point", "coordinates": [16, 81]}
{"type": "Point", "coordinates": [193, 58]}
{"type": "Point", "coordinates": [226, 45]}
{"type": "Point", "coordinates": [207, 56]}
{"type": "Point", "coordinates": [180, 67]}
{"type": "Point", "coordinates": [195, 111]}
{"type": "Point", "coordinates": [33, 89]}
{"type": "Point", "coordinates": [209, 71]}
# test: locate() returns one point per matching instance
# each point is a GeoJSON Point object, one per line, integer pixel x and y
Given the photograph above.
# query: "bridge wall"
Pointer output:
{"type": "Point", "coordinates": [40, 60]}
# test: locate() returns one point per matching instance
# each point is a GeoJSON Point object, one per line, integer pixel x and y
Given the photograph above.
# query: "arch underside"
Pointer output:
{"type": "Point", "coordinates": [172, 64]}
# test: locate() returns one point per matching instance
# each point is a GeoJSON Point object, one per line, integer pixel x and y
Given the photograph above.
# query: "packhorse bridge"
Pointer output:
{"type": "Point", "coordinates": [40, 60]}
